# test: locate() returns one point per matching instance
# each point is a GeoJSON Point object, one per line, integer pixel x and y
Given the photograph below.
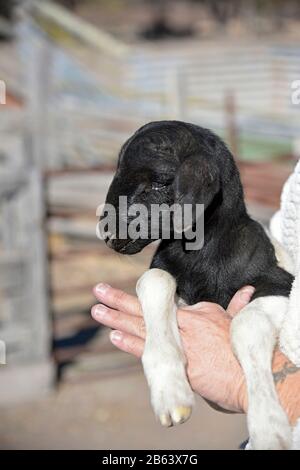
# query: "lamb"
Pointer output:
{"type": "Point", "coordinates": [172, 162]}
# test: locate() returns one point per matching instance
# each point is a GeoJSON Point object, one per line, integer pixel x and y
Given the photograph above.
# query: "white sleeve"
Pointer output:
{"type": "Point", "coordinates": [283, 229]}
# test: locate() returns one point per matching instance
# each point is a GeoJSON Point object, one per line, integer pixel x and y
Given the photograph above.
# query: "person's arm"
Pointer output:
{"type": "Point", "coordinates": [287, 380]}
{"type": "Point", "coordinates": [213, 370]}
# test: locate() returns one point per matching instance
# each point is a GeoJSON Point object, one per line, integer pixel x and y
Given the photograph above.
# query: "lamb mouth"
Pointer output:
{"type": "Point", "coordinates": [129, 243]}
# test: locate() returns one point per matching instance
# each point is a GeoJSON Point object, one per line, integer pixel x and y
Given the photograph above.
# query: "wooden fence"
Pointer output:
{"type": "Point", "coordinates": [24, 315]}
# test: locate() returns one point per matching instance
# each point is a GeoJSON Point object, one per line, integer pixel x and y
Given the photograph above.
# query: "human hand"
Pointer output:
{"type": "Point", "coordinates": [212, 369]}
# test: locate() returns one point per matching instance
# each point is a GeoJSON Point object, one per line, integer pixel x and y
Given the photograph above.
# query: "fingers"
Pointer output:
{"type": "Point", "coordinates": [117, 299]}
{"type": "Point", "coordinates": [117, 320]}
{"type": "Point", "coordinates": [240, 300]}
{"type": "Point", "coordinates": [128, 343]}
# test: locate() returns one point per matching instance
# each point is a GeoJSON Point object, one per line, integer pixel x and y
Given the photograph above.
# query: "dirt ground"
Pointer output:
{"type": "Point", "coordinates": [112, 413]}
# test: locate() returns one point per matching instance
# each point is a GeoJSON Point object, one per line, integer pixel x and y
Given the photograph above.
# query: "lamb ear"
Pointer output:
{"type": "Point", "coordinates": [197, 182]}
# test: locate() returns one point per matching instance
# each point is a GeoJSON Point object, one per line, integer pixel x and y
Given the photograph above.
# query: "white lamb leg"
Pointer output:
{"type": "Point", "coordinates": [254, 334]}
{"type": "Point", "coordinates": [163, 359]}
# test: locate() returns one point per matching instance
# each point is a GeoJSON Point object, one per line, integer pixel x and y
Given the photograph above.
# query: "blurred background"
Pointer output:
{"type": "Point", "coordinates": [81, 76]}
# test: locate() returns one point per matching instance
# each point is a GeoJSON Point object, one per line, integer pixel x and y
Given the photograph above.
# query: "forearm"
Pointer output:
{"type": "Point", "coordinates": [287, 381]}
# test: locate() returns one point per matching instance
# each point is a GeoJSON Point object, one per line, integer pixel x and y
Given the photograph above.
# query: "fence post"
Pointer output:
{"type": "Point", "coordinates": [40, 99]}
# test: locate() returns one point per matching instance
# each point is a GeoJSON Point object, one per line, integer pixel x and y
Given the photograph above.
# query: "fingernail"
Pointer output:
{"type": "Point", "coordinates": [115, 336]}
{"type": "Point", "coordinates": [100, 311]}
{"type": "Point", "coordinates": [246, 294]}
{"type": "Point", "coordinates": [102, 288]}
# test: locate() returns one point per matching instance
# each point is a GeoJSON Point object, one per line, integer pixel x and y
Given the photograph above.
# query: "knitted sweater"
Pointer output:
{"type": "Point", "coordinates": [285, 228]}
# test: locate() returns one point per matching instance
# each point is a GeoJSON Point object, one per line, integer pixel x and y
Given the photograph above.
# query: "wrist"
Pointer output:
{"type": "Point", "coordinates": [238, 391]}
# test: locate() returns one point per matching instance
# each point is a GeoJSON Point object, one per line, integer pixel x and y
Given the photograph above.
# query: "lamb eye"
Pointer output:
{"type": "Point", "coordinates": [157, 186]}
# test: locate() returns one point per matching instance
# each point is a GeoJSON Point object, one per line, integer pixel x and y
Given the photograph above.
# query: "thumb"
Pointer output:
{"type": "Point", "coordinates": [240, 300]}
